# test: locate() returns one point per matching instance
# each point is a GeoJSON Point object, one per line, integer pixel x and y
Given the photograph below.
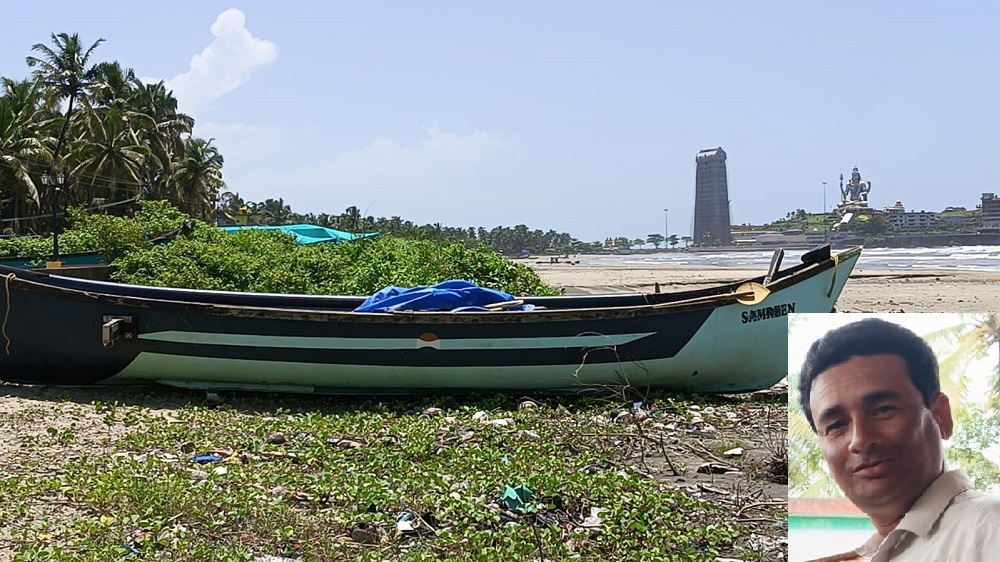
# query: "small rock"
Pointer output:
{"type": "Point", "coordinates": [640, 416]}
{"type": "Point", "coordinates": [431, 412]}
{"type": "Point", "coordinates": [449, 419]}
{"type": "Point", "coordinates": [220, 470]}
{"type": "Point", "coordinates": [187, 447]}
{"type": "Point", "coordinates": [276, 439]}
{"type": "Point", "coordinates": [528, 434]}
{"type": "Point", "coordinates": [195, 474]}
{"type": "Point", "coordinates": [365, 533]}
{"type": "Point", "coordinates": [212, 400]}
{"type": "Point", "coordinates": [527, 404]}
{"type": "Point", "coordinates": [478, 415]}
{"type": "Point", "coordinates": [501, 422]}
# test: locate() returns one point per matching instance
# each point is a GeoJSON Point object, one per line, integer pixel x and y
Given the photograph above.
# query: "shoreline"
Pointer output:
{"type": "Point", "coordinates": [867, 290]}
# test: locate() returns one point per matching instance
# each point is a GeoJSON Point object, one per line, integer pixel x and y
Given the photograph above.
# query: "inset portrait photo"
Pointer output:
{"type": "Point", "coordinates": [894, 425]}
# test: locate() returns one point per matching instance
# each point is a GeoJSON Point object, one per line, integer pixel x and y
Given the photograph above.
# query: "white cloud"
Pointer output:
{"type": "Point", "coordinates": [224, 65]}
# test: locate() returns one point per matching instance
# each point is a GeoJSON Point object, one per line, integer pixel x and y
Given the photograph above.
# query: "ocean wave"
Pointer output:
{"type": "Point", "coordinates": [965, 258]}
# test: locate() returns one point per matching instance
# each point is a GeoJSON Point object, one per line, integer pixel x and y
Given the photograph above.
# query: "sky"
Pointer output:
{"type": "Point", "coordinates": [582, 117]}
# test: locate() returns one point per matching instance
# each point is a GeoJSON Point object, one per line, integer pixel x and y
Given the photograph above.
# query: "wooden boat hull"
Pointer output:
{"type": "Point", "coordinates": [55, 331]}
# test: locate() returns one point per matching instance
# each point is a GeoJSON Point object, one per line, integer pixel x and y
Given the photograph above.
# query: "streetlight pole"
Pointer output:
{"type": "Point", "coordinates": [60, 180]}
{"type": "Point", "coordinates": [666, 228]}
{"type": "Point", "coordinates": [824, 198]}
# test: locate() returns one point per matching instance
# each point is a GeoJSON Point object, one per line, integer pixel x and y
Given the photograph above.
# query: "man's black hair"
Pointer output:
{"type": "Point", "coordinates": [871, 336]}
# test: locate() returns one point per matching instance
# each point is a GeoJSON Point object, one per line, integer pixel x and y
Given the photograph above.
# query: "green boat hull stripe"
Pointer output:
{"type": "Point", "coordinates": [306, 342]}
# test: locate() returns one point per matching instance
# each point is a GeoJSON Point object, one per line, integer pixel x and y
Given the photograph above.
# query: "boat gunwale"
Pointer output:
{"type": "Point", "coordinates": [791, 276]}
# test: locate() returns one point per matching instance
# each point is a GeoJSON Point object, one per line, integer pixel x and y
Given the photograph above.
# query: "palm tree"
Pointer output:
{"type": "Point", "coordinates": [166, 127]}
{"type": "Point", "coordinates": [114, 85]}
{"type": "Point", "coordinates": [64, 73]}
{"type": "Point", "coordinates": [20, 144]}
{"type": "Point", "coordinates": [973, 338]}
{"type": "Point", "coordinates": [110, 154]}
{"type": "Point", "coordinates": [198, 176]}
{"type": "Point", "coordinates": [276, 211]}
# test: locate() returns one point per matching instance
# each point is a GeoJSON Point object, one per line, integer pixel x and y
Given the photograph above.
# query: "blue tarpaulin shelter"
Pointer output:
{"type": "Point", "coordinates": [307, 233]}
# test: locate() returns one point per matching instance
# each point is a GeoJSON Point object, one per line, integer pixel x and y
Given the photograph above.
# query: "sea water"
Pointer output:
{"type": "Point", "coordinates": [967, 258]}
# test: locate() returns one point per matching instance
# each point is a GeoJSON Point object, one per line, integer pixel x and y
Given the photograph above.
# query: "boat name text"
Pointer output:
{"type": "Point", "coordinates": [768, 312]}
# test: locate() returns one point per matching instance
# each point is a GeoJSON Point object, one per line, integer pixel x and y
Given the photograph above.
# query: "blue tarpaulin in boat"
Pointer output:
{"type": "Point", "coordinates": [456, 295]}
{"type": "Point", "coordinates": [306, 233]}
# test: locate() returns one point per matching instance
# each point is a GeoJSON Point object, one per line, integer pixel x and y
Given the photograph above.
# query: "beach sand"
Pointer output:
{"type": "Point", "coordinates": [867, 290]}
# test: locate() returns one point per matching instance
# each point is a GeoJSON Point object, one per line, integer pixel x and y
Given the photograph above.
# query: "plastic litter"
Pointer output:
{"type": "Point", "coordinates": [205, 459]}
{"type": "Point", "coordinates": [516, 498]}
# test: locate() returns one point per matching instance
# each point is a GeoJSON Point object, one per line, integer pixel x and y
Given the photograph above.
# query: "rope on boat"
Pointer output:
{"type": "Point", "coordinates": [833, 282]}
{"type": "Point", "coordinates": [6, 312]}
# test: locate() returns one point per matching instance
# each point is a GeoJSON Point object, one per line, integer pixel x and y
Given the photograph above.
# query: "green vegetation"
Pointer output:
{"type": "Point", "coordinates": [112, 235]}
{"type": "Point", "coordinates": [271, 262]}
{"type": "Point", "coordinates": [113, 477]}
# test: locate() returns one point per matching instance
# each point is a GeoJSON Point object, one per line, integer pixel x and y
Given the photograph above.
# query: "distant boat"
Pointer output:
{"type": "Point", "coordinates": [38, 262]}
{"type": "Point", "coordinates": [728, 338]}
{"type": "Point", "coordinates": [91, 258]}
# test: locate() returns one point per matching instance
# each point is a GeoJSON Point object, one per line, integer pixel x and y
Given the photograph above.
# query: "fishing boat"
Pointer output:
{"type": "Point", "coordinates": [727, 338]}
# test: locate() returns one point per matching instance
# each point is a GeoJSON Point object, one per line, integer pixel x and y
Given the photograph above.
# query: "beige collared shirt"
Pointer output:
{"type": "Point", "coordinates": [949, 522]}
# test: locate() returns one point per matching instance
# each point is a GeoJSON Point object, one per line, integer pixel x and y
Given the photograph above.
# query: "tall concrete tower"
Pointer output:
{"type": "Point", "coordinates": [711, 199]}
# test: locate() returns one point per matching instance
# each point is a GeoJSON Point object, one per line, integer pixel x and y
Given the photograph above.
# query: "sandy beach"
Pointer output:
{"type": "Point", "coordinates": [867, 290]}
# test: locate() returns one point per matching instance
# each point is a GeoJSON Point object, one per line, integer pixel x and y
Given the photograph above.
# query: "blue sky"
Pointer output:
{"type": "Point", "coordinates": [583, 117]}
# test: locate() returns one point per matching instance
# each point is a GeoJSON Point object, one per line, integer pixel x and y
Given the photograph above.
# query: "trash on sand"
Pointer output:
{"type": "Point", "coordinates": [716, 468]}
{"type": "Point", "coordinates": [345, 443]}
{"type": "Point", "coordinates": [207, 458]}
{"type": "Point", "coordinates": [516, 498]}
{"type": "Point", "coordinates": [410, 523]}
{"type": "Point", "coordinates": [734, 452]}
{"type": "Point", "coordinates": [593, 521]}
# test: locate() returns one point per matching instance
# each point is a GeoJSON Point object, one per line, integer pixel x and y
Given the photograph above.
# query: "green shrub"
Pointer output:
{"type": "Point", "coordinates": [271, 262]}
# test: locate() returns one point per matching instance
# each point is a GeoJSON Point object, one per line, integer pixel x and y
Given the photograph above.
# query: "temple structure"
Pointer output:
{"type": "Point", "coordinates": [711, 199]}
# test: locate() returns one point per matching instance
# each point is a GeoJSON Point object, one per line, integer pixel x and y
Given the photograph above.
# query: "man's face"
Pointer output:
{"type": "Point", "coordinates": [883, 446]}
